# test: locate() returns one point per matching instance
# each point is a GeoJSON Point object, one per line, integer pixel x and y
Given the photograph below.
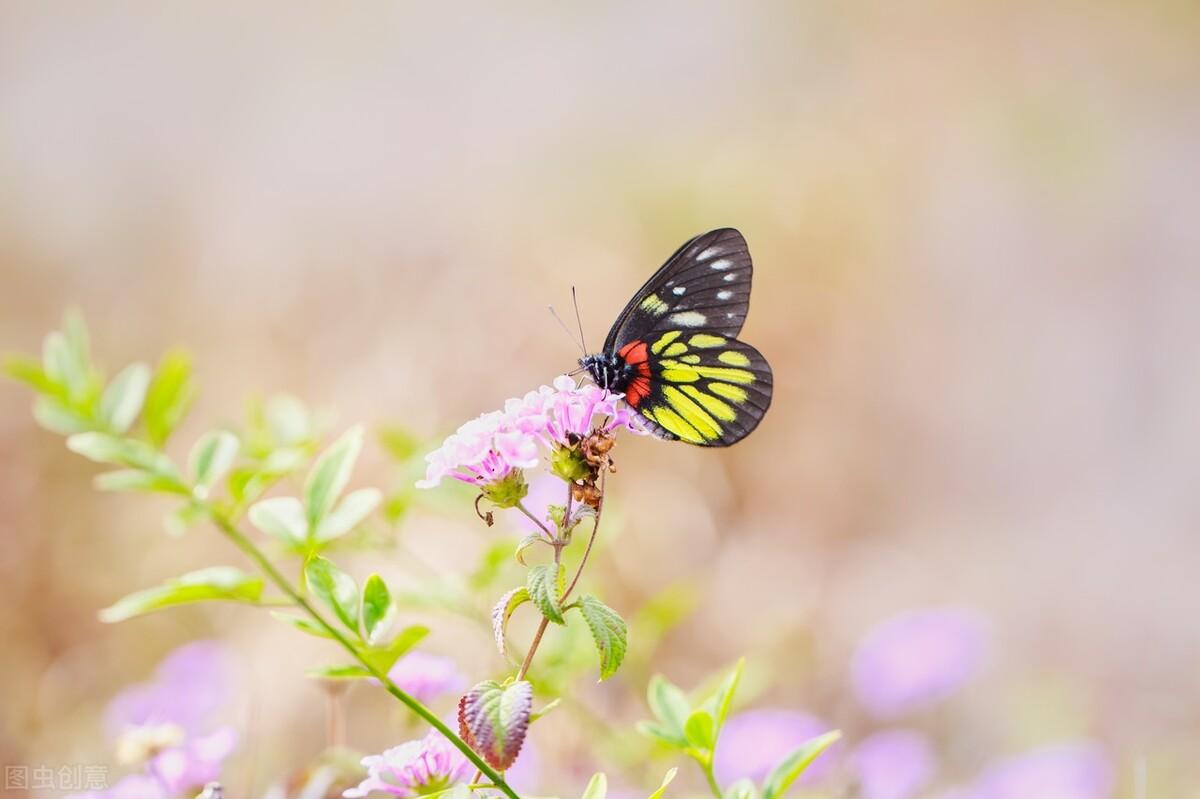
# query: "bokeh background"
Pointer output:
{"type": "Point", "coordinates": [974, 227]}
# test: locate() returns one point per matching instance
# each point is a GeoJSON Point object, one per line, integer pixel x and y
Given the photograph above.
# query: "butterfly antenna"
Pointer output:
{"type": "Point", "coordinates": [566, 329]}
{"type": "Point", "coordinates": [578, 320]}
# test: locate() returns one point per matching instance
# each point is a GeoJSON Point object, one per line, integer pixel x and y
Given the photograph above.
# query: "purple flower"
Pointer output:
{"type": "Point", "coordinates": [496, 445]}
{"type": "Point", "coordinates": [753, 743]}
{"type": "Point", "coordinates": [414, 768]}
{"type": "Point", "coordinates": [893, 764]}
{"type": "Point", "coordinates": [165, 725]}
{"type": "Point", "coordinates": [1064, 771]}
{"type": "Point", "coordinates": [427, 676]}
{"type": "Point", "coordinates": [134, 786]}
{"type": "Point", "coordinates": [917, 658]}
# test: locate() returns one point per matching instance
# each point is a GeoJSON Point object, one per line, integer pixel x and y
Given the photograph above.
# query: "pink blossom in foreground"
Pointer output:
{"type": "Point", "coordinates": [753, 743]}
{"type": "Point", "coordinates": [427, 676]}
{"type": "Point", "coordinates": [414, 768]}
{"type": "Point", "coordinates": [916, 659]}
{"type": "Point", "coordinates": [1064, 771]}
{"type": "Point", "coordinates": [893, 764]}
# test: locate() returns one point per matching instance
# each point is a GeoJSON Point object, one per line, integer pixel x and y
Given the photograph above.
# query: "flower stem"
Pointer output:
{"type": "Point", "coordinates": [713, 785]}
{"type": "Point", "coordinates": [263, 562]}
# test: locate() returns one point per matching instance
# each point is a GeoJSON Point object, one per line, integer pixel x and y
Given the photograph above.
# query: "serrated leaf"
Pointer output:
{"type": "Point", "coordinates": [281, 517]}
{"type": "Point", "coordinates": [795, 764]}
{"type": "Point", "coordinates": [349, 513]}
{"type": "Point", "coordinates": [302, 623]}
{"type": "Point", "coordinates": [122, 400]}
{"type": "Point", "coordinates": [377, 607]}
{"type": "Point", "coordinates": [545, 584]}
{"type": "Point", "coordinates": [212, 456]}
{"type": "Point", "coordinates": [384, 657]}
{"type": "Point", "coordinates": [662, 787]}
{"type": "Point", "coordinates": [597, 787]}
{"type": "Point", "coordinates": [54, 415]}
{"type": "Point", "coordinates": [348, 672]}
{"type": "Point", "coordinates": [336, 589]}
{"type": "Point", "coordinates": [214, 583]}
{"type": "Point", "coordinates": [608, 632]}
{"type": "Point", "coordinates": [493, 720]}
{"type": "Point", "coordinates": [502, 611]}
{"type": "Point", "coordinates": [330, 474]}
{"type": "Point", "coordinates": [700, 730]}
{"type": "Point", "coordinates": [170, 395]}
{"type": "Point", "coordinates": [669, 705]}
{"type": "Point", "coordinates": [138, 480]}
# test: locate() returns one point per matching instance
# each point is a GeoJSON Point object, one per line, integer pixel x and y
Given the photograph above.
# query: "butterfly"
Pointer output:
{"type": "Point", "coordinates": [674, 350]}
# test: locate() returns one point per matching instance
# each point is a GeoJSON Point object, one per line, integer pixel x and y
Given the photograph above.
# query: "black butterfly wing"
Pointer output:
{"type": "Point", "coordinates": [705, 286]}
{"type": "Point", "coordinates": [694, 381]}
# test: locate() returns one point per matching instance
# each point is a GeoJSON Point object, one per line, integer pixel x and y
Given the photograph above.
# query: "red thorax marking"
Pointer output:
{"type": "Point", "coordinates": [635, 354]}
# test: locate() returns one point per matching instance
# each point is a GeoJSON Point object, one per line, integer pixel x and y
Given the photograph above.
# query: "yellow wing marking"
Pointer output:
{"type": "Point", "coordinates": [678, 348]}
{"type": "Point", "coordinates": [734, 393]}
{"type": "Point", "coordinates": [706, 341]}
{"type": "Point", "coordinates": [714, 406]}
{"type": "Point", "coordinates": [692, 413]}
{"type": "Point", "coordinates": [654, 305]}
{"type": "Point", "coordinates": [690, 359]}
{"type": "Point", "coordinates": [674, 423]}
{"type": "Point", "coordinates": [733, 358]}
{"type": "Point", "coordinates": [663, 341]}
{"type": "Point", "coordinates": [674, 371]}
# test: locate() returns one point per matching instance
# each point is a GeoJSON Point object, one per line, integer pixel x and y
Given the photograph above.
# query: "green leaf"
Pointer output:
{"type": "Point", "coordinates": [666, 780]}
{"type": "Point", "coordinates": [214, 583]}
{"type": "Point", "coordinates": [29, 371]}
{"type": "Point", "coordinates": [701, 730]}
{"type": "Point", "coordinates": [336, 589]}
{"type": "Point", "coordinates": [608, 632]}
{"type": "Point", "coordinates": [658, 732]}
{"type": "Point", "coordinates": [54, 415]}
{"type": "Point", "coordinates": [597, 787]}
{"type": "Point", "coordinates": [281, 517]}
{"type": "Point", "coordinates": [330, 474]}
{"type": "Point", "coordinates": [669, 705]}
{"type": "Point", "coordinates": [138, 480]}
{"type": "Point", "coordinates": [502, 611]}
{"type": "Point", "coordinates": [289, 421]}
{"type": "Point", "coordinates": [122, 400]}
{"type": "Point", "coordinates": [349, 672]}
{"type": "Point", "coordinates": [384, 657]}
{"type": "Point", "coordinates": [742, 789]}
{"type": "Point", "coordinates": [104, 448]}
{"type": "Point", "coordinates": [545, 711]}
{"type": "Point", "coordinates": [178, 521]}
{"type": "Point", "coordinates": [493, 719]}
{"type": "Point", "coordinates": [718, 704]}
{"type": "Point", "coordinates": [795, 764]}
{"type": "Point", "coordinates": [526, 543]}
{"type": "Point", "coordinates": [67, 362]}
{"type": "Point", "coordinates": [212, 456]}
{"type": "Point", "coordinates": [545, 584]}
{"type": "Point", "coordinates": [377, 607]}
{"type": "Point", "coordinates": [302, 623]}
{"type": "Point", "coordinates": [399, 443]}
{"type": "Point", "coordinates": [169, 397]}
{"type": "Point", "coordinates": [349, 513]}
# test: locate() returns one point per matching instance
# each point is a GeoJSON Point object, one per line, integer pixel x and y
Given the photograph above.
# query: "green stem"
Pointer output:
{"type": "Point", "coordinates": [260, 559]}
{"type": "Point", "coordinates": [713, 785]}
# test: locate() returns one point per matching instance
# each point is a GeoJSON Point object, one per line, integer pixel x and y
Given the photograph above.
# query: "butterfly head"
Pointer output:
{"type": "Point", "coordinates": [609, 371]}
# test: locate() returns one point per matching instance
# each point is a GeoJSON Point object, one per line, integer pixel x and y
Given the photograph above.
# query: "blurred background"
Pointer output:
{"type": "Point", "coordinates": [974, 231]}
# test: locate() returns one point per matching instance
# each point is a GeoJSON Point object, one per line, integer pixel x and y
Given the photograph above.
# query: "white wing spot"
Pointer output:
{"type": "Point", "coordinates": [723, 263]}
{"type": "Point", "coordinates": [678, 291]}
{"type": "Point", "coordinates": [724, 294]}
{"type": "Point", "coordinates": [729, 316]}
{"type": "Point", "coordinates": [709, 253]}
{"type": "Point", "coordinates": [689, 318]}
{"type": "Point", "coordinates": [730, 277]}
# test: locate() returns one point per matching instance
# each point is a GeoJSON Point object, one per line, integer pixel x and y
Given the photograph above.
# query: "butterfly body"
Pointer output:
{"type": "Point", "coordinates": [674, 351]}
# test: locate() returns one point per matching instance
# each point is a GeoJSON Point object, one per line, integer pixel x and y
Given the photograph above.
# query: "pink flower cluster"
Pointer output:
{"type": "Point", "coordinates": [490, 448]}
{"type": "Point", "coordinates": [414, 768]}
